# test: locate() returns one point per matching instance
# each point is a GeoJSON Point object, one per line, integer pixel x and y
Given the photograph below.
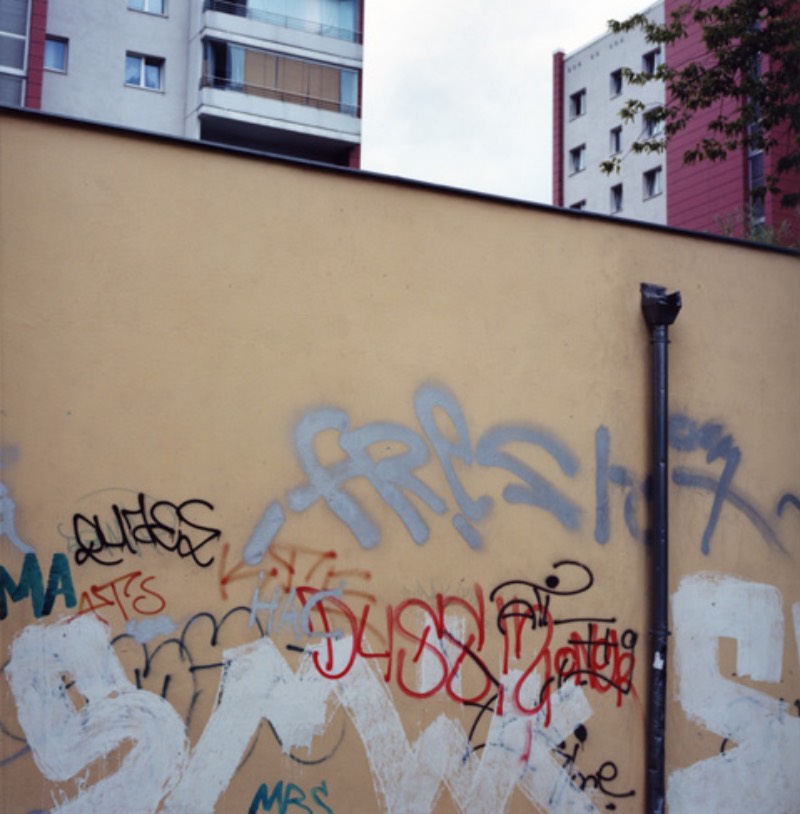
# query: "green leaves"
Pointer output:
{"type": "Point", "coordinates": [749, 75]}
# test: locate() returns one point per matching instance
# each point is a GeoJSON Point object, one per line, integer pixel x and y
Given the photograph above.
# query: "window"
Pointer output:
{"type": "Point", "coordinates": [144, 72]}
{"type": "Point", "coordinates": [149, 6]}
{"type": "Point", "coordinates": [577, 104]}
{"type": "Point", "coordinates": [327, 18]}
{"type": "Point", "coordinates": [652, 124]}
{"type": "Point", "coordinates": [13, 38]}
{"type": "Point", "coordinates": [577, 159]}
{"type": "Point", "coordinates": [578, 205]}
{"type": "Point", "coordinates": [615, 139]}
{"type": "Point", "coordinates": [55, 54]}
{"type": "Point", "coordinates": [615, 82]}
{"type": "Point", "coordinates": [651, 60]}
{"type": "Point", "coordinates": [755, 166]}
{"type": "Point", "coordinates": [13, 35]}
{"type": "Point", "coordinates": [276, 76]}
{"type": "Point", "coordinates": [653, 182]}
{"type": "Point", "coordinates": [616, 198]}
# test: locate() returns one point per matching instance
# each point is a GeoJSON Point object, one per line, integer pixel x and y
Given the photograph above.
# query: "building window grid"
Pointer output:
{"type": "Point", "coordinates": [145, 72]}
{"type": "Point", "coordinates": [56, 50]}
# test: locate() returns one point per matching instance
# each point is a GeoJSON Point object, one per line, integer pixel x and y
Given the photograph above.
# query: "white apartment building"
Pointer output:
{"type": "Point", "coordinates": [280, 76]}
{"type": "Point", "coordinates": [589, 90]}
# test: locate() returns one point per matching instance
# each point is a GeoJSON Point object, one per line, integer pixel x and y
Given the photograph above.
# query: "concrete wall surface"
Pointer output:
{"type": "Point", "coordinates": [327, 493]}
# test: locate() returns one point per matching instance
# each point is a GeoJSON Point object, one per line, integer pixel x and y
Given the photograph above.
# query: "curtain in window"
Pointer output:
{"type": "Point", "coordinates": [133, 70]}
{"type": "Point", "coordinates": [152, 75]}
{"type": "Point", "coordinates": [236, 66]}
{"type": "Point", "coordinates": [348, 92]}
{"type": "Point", "coordinates": [211, 62]}
{"type": "Point", "coordinates": [329, 17]}
{"type": "Point", "coordinates": [348, 19]}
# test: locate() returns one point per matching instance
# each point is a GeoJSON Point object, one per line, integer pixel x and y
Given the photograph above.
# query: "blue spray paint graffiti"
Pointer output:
{"type": "Point", "coordinates": [8, 527]}
{"type": "Point", "coordinates": [396, 478]}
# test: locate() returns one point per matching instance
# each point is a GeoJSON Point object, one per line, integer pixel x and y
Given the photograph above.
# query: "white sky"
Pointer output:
{"type": "Point", "coordinates": [459, 92]}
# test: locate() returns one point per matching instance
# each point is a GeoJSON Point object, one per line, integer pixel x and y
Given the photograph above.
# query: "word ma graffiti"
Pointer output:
{"type": "Point", "coordinates": [164, 525]}
{"type": "Point", "coordinates": [30, 584]}
{"type": "Point", "coordinates": [397, 481]}
{"type": "Point", "coordinates": [291, 797]}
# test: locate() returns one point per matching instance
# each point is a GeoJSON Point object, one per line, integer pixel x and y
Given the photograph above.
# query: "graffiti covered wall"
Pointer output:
{"type": "Point", "coordinates": [324, 493]}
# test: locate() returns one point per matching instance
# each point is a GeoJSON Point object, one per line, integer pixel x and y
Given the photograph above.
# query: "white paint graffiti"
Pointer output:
{"type": "Point", "coordinates": [758, 772]}
{"type": "Point", "coordinates": [65, 739]}
{"type": "Point", "coordinates": [258, 684]}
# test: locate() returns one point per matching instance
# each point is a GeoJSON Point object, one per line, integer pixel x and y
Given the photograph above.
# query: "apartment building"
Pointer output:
{"type": "Point", "coordinates": [278, 76]}
{"type": "Point", "coordinates": [589, 89]}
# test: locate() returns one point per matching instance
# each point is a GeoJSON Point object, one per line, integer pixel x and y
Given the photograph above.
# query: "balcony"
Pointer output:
{"type": "Point", "coordinates": [337, 20]}
{"type": "Point", "coordinates": [273, 102]}
{"type": "Point", "coordinates": [336, 105]}
{"type": "Point", "coordinates": [265, 74]}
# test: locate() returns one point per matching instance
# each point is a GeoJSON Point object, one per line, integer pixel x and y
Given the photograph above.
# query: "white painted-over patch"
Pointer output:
{"type": "Point", "coordinates": [65, 739]}
{"type": "Point", "coordinates": [258, 684]}
{"type": "Point", "coordinates": [759, 769]}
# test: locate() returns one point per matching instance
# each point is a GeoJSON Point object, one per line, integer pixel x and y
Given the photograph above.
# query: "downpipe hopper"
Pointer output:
{"type": "Point", "coordinates": [658, 307]}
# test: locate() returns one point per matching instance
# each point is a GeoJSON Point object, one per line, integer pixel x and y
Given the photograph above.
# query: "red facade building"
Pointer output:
{"type": "Point", "coordinates": [706, 196]}
{"type": "Point", "coordinates": [716, 196]}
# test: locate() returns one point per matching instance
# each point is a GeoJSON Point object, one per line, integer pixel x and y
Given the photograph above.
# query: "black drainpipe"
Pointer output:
{"type": "Point", "coordinates": [660, 310]}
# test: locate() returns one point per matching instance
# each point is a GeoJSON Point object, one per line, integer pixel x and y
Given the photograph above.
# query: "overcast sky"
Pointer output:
{"type": "Point", "coordinates": [459, 92]}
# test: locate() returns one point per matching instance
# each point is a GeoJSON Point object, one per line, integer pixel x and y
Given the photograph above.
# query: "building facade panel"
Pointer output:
{"type": "Point", "coordinates": [145, 64]}
{"type": "Point", "coordinates": [594, 92]}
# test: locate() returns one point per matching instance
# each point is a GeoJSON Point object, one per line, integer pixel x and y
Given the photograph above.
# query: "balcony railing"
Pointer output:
{"type": "Point", "coordinates": [280, 95]}
{"type": "Point", "coordinates": [241, 9]}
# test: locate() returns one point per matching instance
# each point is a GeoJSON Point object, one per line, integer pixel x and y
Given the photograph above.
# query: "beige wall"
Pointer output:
{"type": "Point", "coordinates": [226, 359]}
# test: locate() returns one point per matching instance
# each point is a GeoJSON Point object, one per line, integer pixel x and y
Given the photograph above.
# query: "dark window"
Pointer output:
{"type": "Point", "coordinates": [651, 60]}
{"type": "Point", "coordinates": [755, 165]}
{"type": "Point", "coordinates": [615, 139]}
{"type": "Point", "coordinates": [616, 198]}
{"type": "Point", "coordinates": [653, 123]}
{"type": "Point", "coordinates": [577, 104]}
{"type": "Point", "coordinates": [653, 182]}
{"type": "Point", "coordinates": [577, 159]}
